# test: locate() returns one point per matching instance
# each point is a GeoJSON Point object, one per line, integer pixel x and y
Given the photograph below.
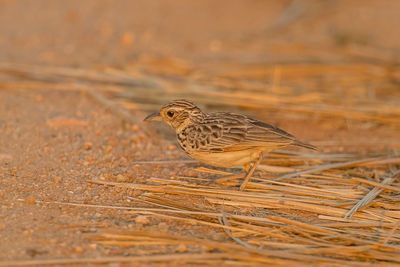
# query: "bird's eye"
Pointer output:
{"type": "Point", "coordinates": [170, 113]}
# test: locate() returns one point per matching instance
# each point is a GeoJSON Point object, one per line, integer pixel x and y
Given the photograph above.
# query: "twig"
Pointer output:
{"type": "Point", "coordinates": [62, 74]}
{"type": "Point", "coordinates": [103, 260]}
{"type": "Point", "coordinates": [366, 199]}
{"type": "Point", "coordinates": [390, 234]}
{"type": "Point", "coordinates": [328, 167]}
{"type": "Point", "coordinates": [225, 222]}
{"type": "Point", "coordinates": [82, 205]}
{"type": "Point", "coordinates": [155, 204]}
{"type": "Point", "coordinates": [164, 161]}
{"type": "Point", "coordinates": [385, 187]}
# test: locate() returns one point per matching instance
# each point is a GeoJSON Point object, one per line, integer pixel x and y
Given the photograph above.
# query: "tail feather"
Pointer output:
{"type": "Point", "coordinates": [305, 145]}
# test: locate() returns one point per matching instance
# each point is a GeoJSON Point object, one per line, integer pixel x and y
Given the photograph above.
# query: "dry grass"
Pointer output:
{"type": "Point", "coordinates": [328, 224]}
{"type": "Point", "coordinates": [326, 217]}
{"type": "Point", "coordinates": [299, 208]}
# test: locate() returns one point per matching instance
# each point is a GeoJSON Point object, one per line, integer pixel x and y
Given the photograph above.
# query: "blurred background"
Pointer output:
{"type": "Point", "coordinates": [327, 71]}
{"type": "Point", "coordinates": [97, 32]}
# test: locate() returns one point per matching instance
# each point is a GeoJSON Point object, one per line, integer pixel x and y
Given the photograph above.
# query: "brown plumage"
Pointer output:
{"type": "Point", "coordinates": [223, 139]}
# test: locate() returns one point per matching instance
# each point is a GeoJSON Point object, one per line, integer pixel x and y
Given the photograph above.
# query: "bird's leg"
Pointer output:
{"type": "Point", "coordinates": [250, 172]}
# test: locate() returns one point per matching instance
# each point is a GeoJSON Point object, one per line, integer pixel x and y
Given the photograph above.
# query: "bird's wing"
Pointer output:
{"type": "Point", "coordinates": [231, 132]}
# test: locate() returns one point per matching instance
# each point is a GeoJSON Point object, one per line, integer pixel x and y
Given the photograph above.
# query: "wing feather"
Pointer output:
{"type": "Point", "coordinates": [230, 132]}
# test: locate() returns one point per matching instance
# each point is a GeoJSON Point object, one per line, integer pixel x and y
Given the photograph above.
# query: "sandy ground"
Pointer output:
{"type": "Point", "coordinates": [54, 142]}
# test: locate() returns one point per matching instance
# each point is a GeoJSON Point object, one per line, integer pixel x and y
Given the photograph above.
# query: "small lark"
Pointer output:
{"type": "Point", "coordinates": [223, 139]}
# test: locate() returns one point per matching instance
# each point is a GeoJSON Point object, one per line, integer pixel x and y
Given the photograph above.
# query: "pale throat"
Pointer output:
{"type": "Point", "coordinates": [183, 125]}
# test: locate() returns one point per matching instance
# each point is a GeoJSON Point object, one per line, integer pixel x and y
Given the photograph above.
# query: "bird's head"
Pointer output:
{"type": "Point", "coordinates": [178, 114]}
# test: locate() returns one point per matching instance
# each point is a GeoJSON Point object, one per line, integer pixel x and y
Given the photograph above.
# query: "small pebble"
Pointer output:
{"type": "Point", "coordinates": [30, 200]}
{"type": "Point", "coordinates": [135, 128]}
{"type": "Point", "coordinates": [88, 145]}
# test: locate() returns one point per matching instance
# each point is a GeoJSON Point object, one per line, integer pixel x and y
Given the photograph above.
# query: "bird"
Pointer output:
{"type": "Point", "coordinates": [223, 139]}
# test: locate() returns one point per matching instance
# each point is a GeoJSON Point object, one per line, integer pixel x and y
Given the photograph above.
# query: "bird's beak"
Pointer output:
{"type": "Point", "coordinates": [153, 117]}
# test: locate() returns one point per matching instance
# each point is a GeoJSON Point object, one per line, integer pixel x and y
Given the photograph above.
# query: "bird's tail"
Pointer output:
{"type": "Point", "coordinates": [305, 145]}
